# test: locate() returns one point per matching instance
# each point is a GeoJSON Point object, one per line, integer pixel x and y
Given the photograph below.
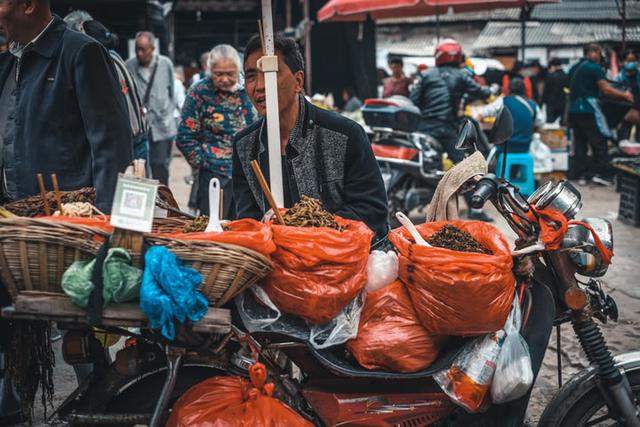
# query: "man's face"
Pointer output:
{"type": "Point", "coordinates": [144, 50]}
{"type": "Point", "coordinates": [14, 17]}
{"type": "Point", "coordinates": [396, 69]}
{"type": "Point", "coordinates": [289, 84]}
{"type": "Point", "coordinates": [224, 73]}
{"type": "Point", "coordinates": [595, 55]}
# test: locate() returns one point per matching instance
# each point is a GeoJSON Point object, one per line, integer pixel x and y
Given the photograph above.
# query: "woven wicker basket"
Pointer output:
{"type": "Point", "coordinates": [226, 269]}
{"type": "Point", "coordinates": [35, 253]}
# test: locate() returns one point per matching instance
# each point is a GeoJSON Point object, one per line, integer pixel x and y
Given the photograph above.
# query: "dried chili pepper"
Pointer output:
{"type": "Point", "coordinates": [308, 212]}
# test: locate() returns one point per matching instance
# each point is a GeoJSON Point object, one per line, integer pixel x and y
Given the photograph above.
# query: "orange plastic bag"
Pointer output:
{"type": "Point", "coordinates": [390, 337]}
{"type": "Point", "coordinates": [457, 293]}
{"type": "Point", "coordinates": [248, 233]}
{"type": "Point", "coordinates": [318, 270]}
{"type": "Point", "coordinates": [234, 402]}
{"type": "Point", "coordinates": [99, 222]}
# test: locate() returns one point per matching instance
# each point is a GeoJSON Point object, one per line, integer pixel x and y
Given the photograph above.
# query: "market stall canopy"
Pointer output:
{"type": "Point", "coordinates": [358, 10]}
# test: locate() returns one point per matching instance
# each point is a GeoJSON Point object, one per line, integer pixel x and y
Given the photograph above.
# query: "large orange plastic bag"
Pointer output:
{"type": "Point", "coordinates": [248, 233]}
{"type": "Point", "coordinates": [390, 336]}
{"type": "Point", "coordinates": [468, 381]}
{"type": "Point", "coordinates": [514, 376]}
{"type": "Point", "coordinates": [382, 270]}
{"type": "Point", "coordinates": [318, 270]}
{"type": "Point", "coordinates": [453, 292]}
{"type": "Point", "coordinates": [234, 402]}
{"type": "Point", "coordinates": [260, 314]}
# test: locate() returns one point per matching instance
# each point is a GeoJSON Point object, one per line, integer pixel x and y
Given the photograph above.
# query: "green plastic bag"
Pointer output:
{"type": "Point", "coordinates": [121, 279]}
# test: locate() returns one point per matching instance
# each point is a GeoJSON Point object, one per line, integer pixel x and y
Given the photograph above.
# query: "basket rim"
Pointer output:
{"type": "Point", "coordinates": [39, 222]}
{"type": "Point", "coordinates": [255, 255]}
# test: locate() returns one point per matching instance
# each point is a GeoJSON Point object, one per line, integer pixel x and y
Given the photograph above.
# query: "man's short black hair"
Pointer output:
{"type": "Point", "coordinates": [555, 62]}
{"type": "Point", "coordinates": [592, 47]}
{"type": "Point", "coordinates": [396, 60]}
{"type": "Point", "coordinates": [516, 86]}
{"type": "Point", "coordinates": [285, 46]}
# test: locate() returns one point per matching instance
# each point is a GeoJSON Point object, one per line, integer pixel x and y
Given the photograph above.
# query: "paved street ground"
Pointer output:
{"type": "Point", "coordinates": [621, 282]}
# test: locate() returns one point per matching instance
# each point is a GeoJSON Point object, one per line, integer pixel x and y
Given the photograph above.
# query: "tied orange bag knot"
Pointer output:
{"type": "Point", "coordinates": [457, 293]}
{"type": "Point", "coordinates": [234, 402]}
{"type": "Point", "coordinates": [554, 225]}
{"type": "Point", "coordinates": [318, 271]}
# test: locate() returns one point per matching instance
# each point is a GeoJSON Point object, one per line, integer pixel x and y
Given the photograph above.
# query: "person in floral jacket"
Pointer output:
{"type": "Point", "coordinates": [214, 110]}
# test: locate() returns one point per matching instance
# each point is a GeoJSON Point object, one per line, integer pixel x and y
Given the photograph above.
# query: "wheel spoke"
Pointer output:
{"type": "Point", "coordinates": [598, 420]}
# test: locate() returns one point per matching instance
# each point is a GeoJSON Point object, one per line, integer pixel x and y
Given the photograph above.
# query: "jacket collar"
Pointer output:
{"type": "Point", "coordinates": [50, 40]}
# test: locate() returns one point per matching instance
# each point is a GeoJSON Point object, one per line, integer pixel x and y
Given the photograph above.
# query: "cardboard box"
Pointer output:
{"type": "Point", "coordinates": [555, 139]}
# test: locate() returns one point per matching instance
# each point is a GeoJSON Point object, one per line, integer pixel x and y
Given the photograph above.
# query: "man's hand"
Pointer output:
{"type": "Point", "coordinates": [629, 96]}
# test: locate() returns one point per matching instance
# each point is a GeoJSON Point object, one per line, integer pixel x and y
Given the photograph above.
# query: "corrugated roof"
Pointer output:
{"type": "Point", "coordinates": [566, 10]}
{"type": "Point", "coordinates": [580, 10]}
{"type": "Point", "coordinates": [507, 34]}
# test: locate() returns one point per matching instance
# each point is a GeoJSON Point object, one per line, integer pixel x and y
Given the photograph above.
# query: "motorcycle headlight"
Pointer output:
{"type": "Point", "coordinates": [561, 196]}
{"type": "Point", "coordinates": [582, 248]}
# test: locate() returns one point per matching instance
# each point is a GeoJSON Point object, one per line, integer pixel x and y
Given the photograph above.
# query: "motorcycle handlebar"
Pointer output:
{"type": "Point", "coordinates": [485, 189]}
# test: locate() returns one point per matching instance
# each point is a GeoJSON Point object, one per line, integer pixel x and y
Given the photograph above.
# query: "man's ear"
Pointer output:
{"type": "Point", "coordinates": [299, 76]}
{"type": "Point", "coordinates": [30, 7]}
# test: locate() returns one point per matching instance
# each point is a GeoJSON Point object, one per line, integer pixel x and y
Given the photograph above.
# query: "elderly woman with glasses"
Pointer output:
{"type": "Point", "coordinates": [214, 110]}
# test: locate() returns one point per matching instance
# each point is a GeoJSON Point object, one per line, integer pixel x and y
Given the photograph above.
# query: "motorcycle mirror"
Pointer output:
{"type": "Point", "coordinates": [467, 137]}
{"type": "Point", "coordinates": [502, 128]}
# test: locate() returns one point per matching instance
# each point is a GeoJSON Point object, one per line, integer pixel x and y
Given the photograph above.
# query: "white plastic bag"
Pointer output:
{"type": "Point", "coordinates": [382, 270]}
{"type": "Point", "coordinates": [514, 376]}
{"type": "Point", "coordinates": [260, 314]}
{"type": "Point", "coordinates": [541, 153]}
{"type": "Point", "coordinates": [468, 380]}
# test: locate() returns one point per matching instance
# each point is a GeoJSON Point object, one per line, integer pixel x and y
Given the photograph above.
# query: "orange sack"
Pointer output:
{"type": "Point", "coordinates": [234, 402]}
{"type": "Point", "coordinates": [99, 222]}
{"type": "Point", "coordinates": [318, 270]}
{"type": "Point", "coordinates": [390, 337]}
{"type": "Point", "coordinates": [457, 293]}
{"type": "Point", "coordinates": [248, 233]}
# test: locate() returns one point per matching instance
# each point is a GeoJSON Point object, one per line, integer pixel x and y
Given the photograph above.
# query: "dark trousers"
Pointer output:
{"type": "Point", "coordinates": [160, 158]}
{"type": "Point", "coordinates": [587, 135]}
{"type": "Point", "coordinates": [204, 176]}
{"type": "Point", "coordinates": [447, 135]}
{"type": "Point", "coordinates": [553, 112]}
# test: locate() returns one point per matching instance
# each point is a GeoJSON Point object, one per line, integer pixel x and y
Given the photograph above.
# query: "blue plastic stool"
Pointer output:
{"type": "Point", "coordinates": [519, 171]}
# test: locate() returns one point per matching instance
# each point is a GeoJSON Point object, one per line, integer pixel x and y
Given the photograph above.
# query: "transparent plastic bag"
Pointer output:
{"type": "Point", "coordinates": [468, 381]}
{"type": "Point", "coordinates": [382, 270]}
{"type": "Point", "coordinates": [514, 376]}
{"type": "Point", "coordinates": [260, 314]}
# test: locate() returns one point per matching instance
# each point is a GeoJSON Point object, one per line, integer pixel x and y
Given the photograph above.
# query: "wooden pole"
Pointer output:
{"type": "Point", "coordinates": [267, 193]}
{"type": "Point", "coordinates": [43, 194]}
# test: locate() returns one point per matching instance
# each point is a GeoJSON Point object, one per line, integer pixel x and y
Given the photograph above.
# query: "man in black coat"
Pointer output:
{"type": "Point", "coordinates": [325, 155]}
{"type": "Point", "coordinates": [554, 96]}
{"type": "Point", "coordinates": [61, 111]}
{"type": "Point", "coordinates": [61, 107]}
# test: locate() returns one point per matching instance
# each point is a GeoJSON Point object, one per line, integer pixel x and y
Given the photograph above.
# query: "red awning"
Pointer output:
{"type": "Point", "coordinates": [358, 10]}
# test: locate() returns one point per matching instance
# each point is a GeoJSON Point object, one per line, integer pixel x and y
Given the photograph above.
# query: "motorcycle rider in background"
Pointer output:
{"type": "Point", "coordinates": [438, 95]}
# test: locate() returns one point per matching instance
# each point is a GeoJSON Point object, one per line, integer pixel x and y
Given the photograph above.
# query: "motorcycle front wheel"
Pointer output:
{"type": "Point", "coordinates": [579, 403]}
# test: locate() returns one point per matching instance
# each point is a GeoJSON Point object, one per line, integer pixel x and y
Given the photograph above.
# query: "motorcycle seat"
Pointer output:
{"type": "Point", "coordinates": [334, 360]}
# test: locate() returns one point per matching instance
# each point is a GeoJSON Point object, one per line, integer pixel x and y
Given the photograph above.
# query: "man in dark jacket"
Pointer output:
{"type": "Point", "coordinates": [554, 96]}
{"type": "Point", "coordinates": [439, 93]}
{"type": "Point", "coordinates": [325, 156]}
{"type": "Point", "coordinates": [61, 108]}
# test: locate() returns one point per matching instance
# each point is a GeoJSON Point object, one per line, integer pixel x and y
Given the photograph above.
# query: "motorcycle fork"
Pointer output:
{"type": "Point", "coordinates": [613, 384]}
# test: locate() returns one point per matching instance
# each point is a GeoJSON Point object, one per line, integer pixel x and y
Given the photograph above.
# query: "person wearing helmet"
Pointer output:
{"type": "Point", "coordinates": [438, 95]}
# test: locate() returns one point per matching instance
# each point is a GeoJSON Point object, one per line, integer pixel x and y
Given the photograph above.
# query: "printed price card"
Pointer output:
{"type": "Point", "coordinates": [134, 203]}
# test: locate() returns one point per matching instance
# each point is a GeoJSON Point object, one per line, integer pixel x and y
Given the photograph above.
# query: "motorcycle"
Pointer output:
{"type": "Point", "coordinates": [329, 388]}
{"type": "Point", "coordinates": [411, 162]}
